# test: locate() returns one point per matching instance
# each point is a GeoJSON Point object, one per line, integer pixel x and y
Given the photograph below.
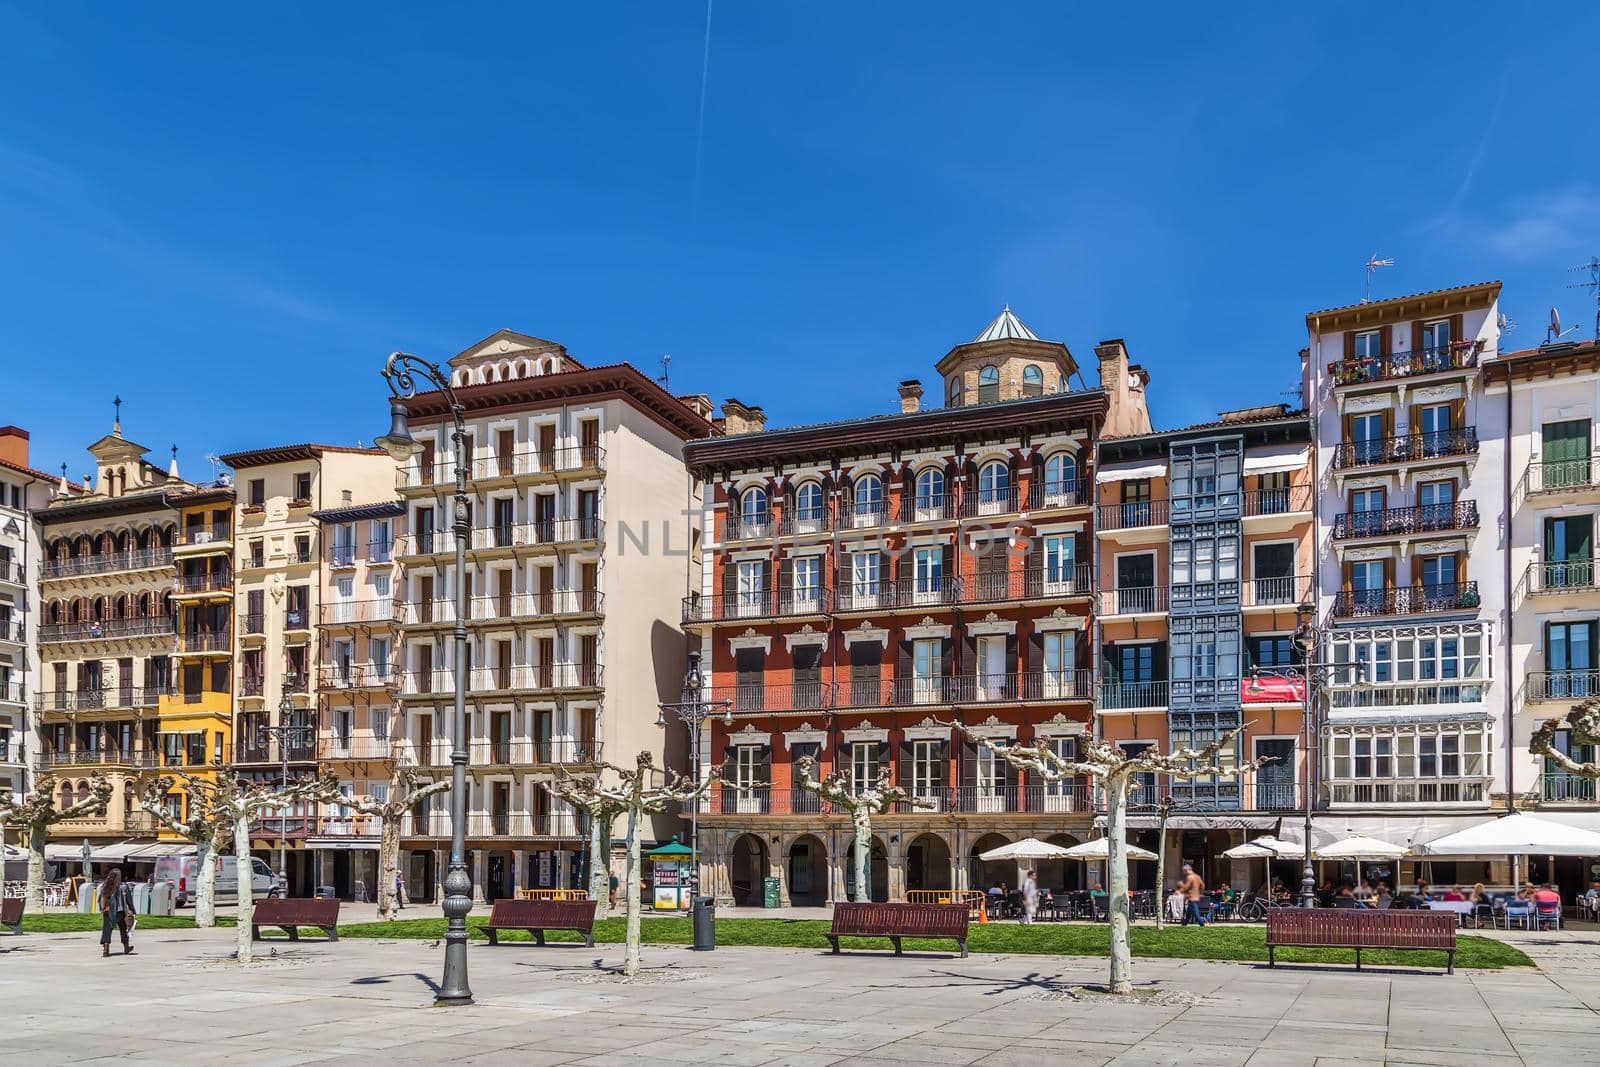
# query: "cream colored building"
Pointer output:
{"type": "Point", "coordinates": [1552, 397]}
{"type": "Point", "coordinates": [577, 564]}
{"type": "Point", "coordinates": [277, 599]}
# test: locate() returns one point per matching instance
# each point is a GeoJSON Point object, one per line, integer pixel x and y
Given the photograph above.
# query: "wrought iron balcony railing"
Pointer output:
{"type": "Point", "coordinates": [1398, 522]}
{"type": "Point", "coordinates": [1028, 584]}
{"type": "Point", "coordinates": [1134, 600]}
{"type": "Point", "coordinates": [1566, 789]}
{"type": "Point", "coordinates": [1286, 591]}
{"type": "Point", "coordinates": [1122, 696]}
{"type": "Point", "coordinates": [150, 626]}
{"type": "Point", "coordinates": [1405, 600]}
{"type": "Point", "coordinates": [897, 593]}
{"type": "Point", "coordinates": [756, 605]}
{"type": "Point", "coordinates": [1291, 500]}
{"type": "Point", "coordinates": [1406, 448]}
{"type": "Point", "coordinates": [1134, 514]}
{"type": "Point", "coordinates": [1358, 370]}
{"type": "Point", "coordinates": [1561, 475]}
{"type": "Point", "coordinates": [1544, 686]}
{"type": "Point", "coordinates": [135, 560]}
{"type": "Point", "coordinates": [1562, 576]}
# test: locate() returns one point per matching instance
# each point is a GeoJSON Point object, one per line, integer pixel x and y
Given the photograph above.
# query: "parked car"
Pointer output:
{"type": "Point", "coordinates": [183, 873]}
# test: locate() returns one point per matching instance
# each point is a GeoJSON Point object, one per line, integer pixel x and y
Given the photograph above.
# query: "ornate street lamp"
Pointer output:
{"type": "Point", "coordinates": [1313, 678]}
{"type": "Point", "coordinates": [287, 733]}
{"type": "Point", "coordinates": [401, 372]}
{"type": "Point", "coordinates": [694, 710]}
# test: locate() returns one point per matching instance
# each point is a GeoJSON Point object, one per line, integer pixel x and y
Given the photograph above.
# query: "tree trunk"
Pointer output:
{"type": "Point", "coordinates": [630, 960]}
{"type": "Point", "coordinates": [600, 865]}
{"type": "Point", "coordinates": [1161, 872]}
{"type": "Point", "coordinates": [34, 896]}
{"type": "Point", "coordinates": [247, 907]}
{"type": "Point", "coordinates": [1117, 884]}
{"type": "Point", "coordinates": [205, 881]}
{"type": "Point", "coordinates": [388, 866]}
{"type": "Point", "coordinates": [860, 850]}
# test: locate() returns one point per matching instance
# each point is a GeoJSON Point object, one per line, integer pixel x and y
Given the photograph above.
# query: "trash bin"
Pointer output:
{"type": "Point", "coordinates": [703, 912]}
{"type": "Point", "coordinates": [161, 898]}
{"type": "Point", "coordinates": [771, 893]}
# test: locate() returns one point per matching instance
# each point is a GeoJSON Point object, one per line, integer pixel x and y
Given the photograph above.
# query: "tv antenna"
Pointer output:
{"type": "Point", "coordinates": [1372, 265]}
{"type": "Point", "coordinates": [1503, 324]}
{"type": "Point", "coordinates": [666, 362]}
{"type": "Point", "coordinates": [1593, 267]}
{"type": "Point", "coordinates": [213, 459]}
{"type": "Point", "coordinates": [1554, 332]}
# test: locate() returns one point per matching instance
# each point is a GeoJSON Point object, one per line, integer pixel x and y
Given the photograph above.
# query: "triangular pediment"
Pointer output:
{"type": "Point", "coordinates": [506, 342]}
{"type": "Point", "coordinates": [115, 446]}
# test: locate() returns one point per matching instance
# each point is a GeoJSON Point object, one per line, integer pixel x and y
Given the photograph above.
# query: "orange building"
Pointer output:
{"type": "Point", "coordinates": [1205, 557]}
{"type": "Point", "coordinates": [862, 581]}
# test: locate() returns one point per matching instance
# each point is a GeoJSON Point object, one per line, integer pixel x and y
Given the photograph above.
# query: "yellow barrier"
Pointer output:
{"type": "Point", "coordinates": [552, 894]}
{"type": "Point", "coordinates": [972, 898]}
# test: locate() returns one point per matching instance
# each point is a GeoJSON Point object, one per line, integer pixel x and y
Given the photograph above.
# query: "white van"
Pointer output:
{"type": "Point", "coordinates": [183, 873]}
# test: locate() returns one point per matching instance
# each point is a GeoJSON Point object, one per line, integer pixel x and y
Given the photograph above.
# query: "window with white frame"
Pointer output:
{"type": "Point", "coordinates": [1060, 563]}
{"type": "Point", "coordinates": [753, 508]}
{"type": "Point", "coordinates": [864, 571]}
{"type": "Point", "coordinates": [1060, 479]}
{"type": "Point", "coordinates": [869, 498]}
{"type": "Point", "coordinates": [752, 586]}
{"type": "Point", "coordinates": [863, 766]}
{"type": "Point", "coordinates": [1411, 665]}
{"type": "Point", "coordinates": [925, 669]}
{"type": "Point", "coordinates": [991, 778]}
{"type": "Point", "coordinates": [807, 579]}
{"type": "Point", "coordinates": [1058, 794]}
{"type": "Point", "coordinates": [929, 570]}
{"type": "Point", "coordinates": [927, 768]}
{"type": "Point", "coordinates": [930, 493]}
{"type": "Point", "coordinates": [808, 503]}
{"type": "Point", "coordinates": [994, 487]}
{"type": "Point", "coordinates": [1060, 663]}
{"type": "Point", "coordinates": [1443, 762]}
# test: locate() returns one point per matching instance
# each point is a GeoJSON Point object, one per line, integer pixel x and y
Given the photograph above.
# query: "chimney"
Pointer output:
{"type": "Point", "coordinates": [1113, 363]}
{"type": "Point", "coordinates": [737, 418]}
{"type": "Point", "coordinates": [910, 396]}
{"type": "Point", "coordinates": [699, 403]}
{"type": "Point", "coordinates": [14, 445]}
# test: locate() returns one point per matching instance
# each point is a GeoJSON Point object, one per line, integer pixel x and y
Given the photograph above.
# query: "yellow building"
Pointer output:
{"type": "Point", "coordinates": [195, 715]}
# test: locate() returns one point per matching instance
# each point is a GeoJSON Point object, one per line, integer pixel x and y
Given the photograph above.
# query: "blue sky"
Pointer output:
{"type": "Point", "coordinates": [229, 215]}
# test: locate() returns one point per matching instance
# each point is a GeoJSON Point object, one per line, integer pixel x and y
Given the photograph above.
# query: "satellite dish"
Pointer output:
{"type": "Point", "coordinates": [1555, 332]}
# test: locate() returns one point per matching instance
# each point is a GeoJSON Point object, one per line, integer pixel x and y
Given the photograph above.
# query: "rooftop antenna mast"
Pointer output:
{"type": "Point", "coordinates": [1372, 265]}
{"type": "Point", "coordinates": [213, 459]}
{"type": "Point", "coordinates": [1593, 267]}
{"type": "Point", "coordinates": [666, 362]}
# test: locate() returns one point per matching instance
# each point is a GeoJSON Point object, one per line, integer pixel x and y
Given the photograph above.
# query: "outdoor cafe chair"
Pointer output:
{"type": "Point", "coordinates": [1519, 911]}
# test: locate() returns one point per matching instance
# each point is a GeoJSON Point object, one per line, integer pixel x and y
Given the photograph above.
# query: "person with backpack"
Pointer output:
{"type": "Point", "coordinates": [116, 912]}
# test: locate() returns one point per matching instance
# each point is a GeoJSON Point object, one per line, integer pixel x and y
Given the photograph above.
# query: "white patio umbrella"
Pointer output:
{"type": "Point", "coordinates": [1251, 850]}
{"type": "Point", "coordinates": [1100, 848]}
{"type": "Point", "coordinates": [1283, 850]}
{"type": "Point", "coordinates": [1360, 847]}
{"type": "Point", "coordinates": [1516, 835]}
{"type": "Point", "coordinates": [1029, 848]}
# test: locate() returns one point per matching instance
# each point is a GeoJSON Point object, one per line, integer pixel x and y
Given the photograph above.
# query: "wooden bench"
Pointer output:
{"type": "Point", "coordinates": [896, 921]}
{"type": "Point", "coordinates": [1361, 929]}
{"type": "Point", "coordinates": [291, 914]}
{"type": "Point", "coordinates": [11, 914]}
{"type": "Point", "coordinates": [537, 916]}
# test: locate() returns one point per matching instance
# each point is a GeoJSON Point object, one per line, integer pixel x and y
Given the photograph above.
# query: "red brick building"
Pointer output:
{"type": "Point", "coordinates": [862, 581]}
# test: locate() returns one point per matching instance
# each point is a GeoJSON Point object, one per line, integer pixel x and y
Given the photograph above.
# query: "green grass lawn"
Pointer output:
{"type": "Point", "coordinates": [1244, 943]}
{"type": "Point", "coordinates": [1247, 943]}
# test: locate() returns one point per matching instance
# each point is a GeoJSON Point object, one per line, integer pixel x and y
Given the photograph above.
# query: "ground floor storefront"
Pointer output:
{"type": "Point", "coordinates": [499, 867]}
{"type": "Point", "coordinates": [811, 858]}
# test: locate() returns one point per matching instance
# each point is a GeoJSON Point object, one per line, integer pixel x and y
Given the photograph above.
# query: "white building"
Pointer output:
{"type": "Point", "coordinates": [1552, 394]}
{"type": "Point", "coordinates": [1411, 583]}
{"type": "Point", "coordinates": [23, 491]}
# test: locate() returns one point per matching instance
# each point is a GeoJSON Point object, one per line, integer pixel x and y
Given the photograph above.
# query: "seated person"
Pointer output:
{"type": "Point", "coordinates": [1098, 890]}
{"type": "Point", "coordinates": [1479, 895]}
{"type": "Point", "coordinates": [1590, 902]}
{"type": "Point", "coordinates": [1454, 896]}
{"type": "Point", "coordinates": [1547, 895]}
{"type": "Point", "coordinates": [1383, 898]}
{"type": "Point", "coordinates": [997, 890]}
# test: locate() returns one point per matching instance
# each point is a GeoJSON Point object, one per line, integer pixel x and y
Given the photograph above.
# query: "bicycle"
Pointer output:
{"type": "Point", "coordinates": [1255, 909]}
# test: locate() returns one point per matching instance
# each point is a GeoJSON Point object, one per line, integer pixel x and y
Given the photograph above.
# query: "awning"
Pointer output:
{"type": "Point", "coordinates": [109, 852]}
{"type": "Point", "coordinates": [164, 848]}
{"type": "Point", "coordinates": [1397, 829]}
{"type": "Point", "coordinates": [1128, 472]}
{"type": "Point", "coordinates": [344, 844]}
{"type": "Point", "coordinates": [1214, 820]}
{"type": "Point", "coordinates": [1517, 835]}
{"type": "Point", "coordinates": [1275, 458]}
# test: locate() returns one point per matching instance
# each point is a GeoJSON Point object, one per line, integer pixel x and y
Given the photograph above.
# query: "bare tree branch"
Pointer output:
{"type": "Point", "coordinates": [1584, 722]}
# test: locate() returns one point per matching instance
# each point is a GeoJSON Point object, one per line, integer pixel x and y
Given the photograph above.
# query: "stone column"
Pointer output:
{"type": "Point", "coordinates": [779, 855]}
{"type": "Point", "coordinates": [478, 863]}
{"type": "Point", "coordinates": [894, 855]}
{"type": "Point", "coordinates": [518, 870]}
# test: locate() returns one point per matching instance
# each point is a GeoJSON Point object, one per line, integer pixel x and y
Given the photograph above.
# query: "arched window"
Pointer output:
{"type": "Point", "coordinates": [808, 502]}
{"type": "Point", "coordinates": [930, 492]}
{"type": "Point", "coordinates": [1032, 381]}
{"type": "Point", "coordinates": [1060, 479]}
{"type": "Point", "coordinates": [83, 792]}
{"type": "Point", "coordinates": [955, 391]}
{"type": "Point", "coordinates": [869, 496]}
{"type": "Point", "coordinates": [994, 487]}
{"type": "Point", "coordinates": [753, 507]}
{"type": "Point", "coordinates": [988, 385]}
{"type": "Point", "coordinates": [66, 793]}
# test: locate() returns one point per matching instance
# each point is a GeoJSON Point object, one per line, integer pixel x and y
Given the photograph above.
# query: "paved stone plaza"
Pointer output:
{"type": "Point", "coordinates": [177, 1000]}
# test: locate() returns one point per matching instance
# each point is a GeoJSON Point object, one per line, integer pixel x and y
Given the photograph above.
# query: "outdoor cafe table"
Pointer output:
{"type": "Point", "coordinates": [1462, 908]}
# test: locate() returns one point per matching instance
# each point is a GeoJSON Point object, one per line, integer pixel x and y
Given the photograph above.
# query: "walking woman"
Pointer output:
{"type": "Point", "coordinates": [116, 909]}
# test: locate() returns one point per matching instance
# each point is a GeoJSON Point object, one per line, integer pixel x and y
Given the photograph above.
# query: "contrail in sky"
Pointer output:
{"type": "Point", "coordinates": [700, 130]}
